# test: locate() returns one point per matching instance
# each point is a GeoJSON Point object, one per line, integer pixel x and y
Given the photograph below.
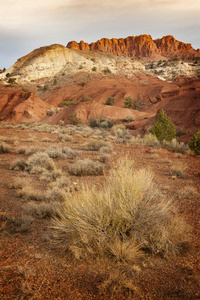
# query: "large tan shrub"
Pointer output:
{"type": "Point", "coordinates": [126, 219]}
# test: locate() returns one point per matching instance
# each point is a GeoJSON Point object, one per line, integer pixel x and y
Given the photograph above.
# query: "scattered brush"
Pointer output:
{"type": "Point", "coordinates": [31, 193]}
{"type": "Point", "coordinates": [106, 149]}
{"type": "Point", "coordinates": [86, 167]}
{"type": "Point", "coordinates": [125, 220]}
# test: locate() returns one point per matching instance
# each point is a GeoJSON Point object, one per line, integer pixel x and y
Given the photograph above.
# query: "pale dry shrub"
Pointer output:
{"type": "Point", "coordinates": [175, 146]}
{"type": "Point", "coordinates": [39, 162]}
{"type": "Point", "coordinates": [94, 145]}
{"type": "Point", "coordinates": [188, 192]}
{"type": "Point", "coordinates": [126, 219]}
{"type": "Point", "coordinates": [56, 194]}
{"type": "Point", "coordinates": [4, 148]}
{"type": "Point", "coordinates": [31, 193]}
{"type": "Point", "coordinates": [69, 153]}
{"type": "Point", "coordinates": [50, 176]}
{"type": "Point", "coordinates": [54, 152]}
{"type": "Point", "coordinates": [106, 149]}
{"type": "Point", "coordinates": [43, 209]}
{"type": "Point", "coordinates": [19, 165]}
{"type": "Point", "coordinates": [22, 150]}
{"type": "Point", "coordinates": [104, 158]}
{"type": "Point", "coordinates": [62, 182]}
{"type": "Point", "coordinates": [121, 133]}
{"type": "Point", "coordinates": [32, 150]}
{"type": "Point", "coordinates": [86, 167]}
{"type": "Point", "coordinates": [148, 140]}
{"type": "Point", "coordinates": [178, 169]}
{"type": "Point", "coordinates": [19, 183]}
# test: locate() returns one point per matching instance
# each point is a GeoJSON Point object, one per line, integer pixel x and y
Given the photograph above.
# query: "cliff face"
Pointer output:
{"type": "Point", "coordinates": [140, 46]}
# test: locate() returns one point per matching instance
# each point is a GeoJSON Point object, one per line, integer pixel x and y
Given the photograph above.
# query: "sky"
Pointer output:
{"type": "Point", "coordinates": [26, 25]}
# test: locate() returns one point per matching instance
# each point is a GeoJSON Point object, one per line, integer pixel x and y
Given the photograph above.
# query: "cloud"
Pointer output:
{"type": "Point", "coordinates": [25, 25]}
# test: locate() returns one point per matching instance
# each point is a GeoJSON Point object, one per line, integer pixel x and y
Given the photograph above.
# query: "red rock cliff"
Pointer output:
{"type": "Point", "coordinates": [140, 46]}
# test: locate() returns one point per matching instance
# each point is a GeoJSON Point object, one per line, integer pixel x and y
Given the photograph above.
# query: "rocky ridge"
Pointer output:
{"type": "Point", "coordinates": [140, 46]}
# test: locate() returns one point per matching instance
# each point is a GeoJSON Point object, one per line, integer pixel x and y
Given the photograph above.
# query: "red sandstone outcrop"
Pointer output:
{"type": "Point", "coordinates": [20, 106]}
{"type": "Point", "coordinates": [140, 46]}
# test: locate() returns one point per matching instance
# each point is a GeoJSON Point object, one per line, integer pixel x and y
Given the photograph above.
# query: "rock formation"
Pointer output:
{"type": "Point", "coordinates": [140, 46]}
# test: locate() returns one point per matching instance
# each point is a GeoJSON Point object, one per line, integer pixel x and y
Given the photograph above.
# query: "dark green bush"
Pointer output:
{"type": "Point", "coordinates": [128, 102]}
{"type": "Point", "coordinates": [194, 143]}
{"type": "Point", "coordinates": [110, 101]}
{"type": "Point", "coordinates": [163, 129]}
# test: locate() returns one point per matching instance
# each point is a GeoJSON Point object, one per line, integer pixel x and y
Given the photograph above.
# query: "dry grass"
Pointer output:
{"type": "Point", "coordinates": [86, 167]}
{"type": "Point", "coordinates": [178, 169]}
{"type": "Point", "coordinates": [175, 146]}
{"type": "Point", "coordinates": [43, 209]}
{"type": "Point", "coordinates": [123, 221]}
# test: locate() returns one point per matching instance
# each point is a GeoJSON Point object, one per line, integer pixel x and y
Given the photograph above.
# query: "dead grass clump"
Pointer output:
{"type": "Point", "coordinates": [94, 145]}
{"type": "Point", "coordinates": [32, 150]}
{"type": "Point", "coordinates": [4, 148]}
{"type": "Point", "coordinates": [104, 158]}
{"type": "Point", "coordinates": [188, 192]}
{"type": "Point", "coordinates": [50, 176]}
{"type": "Point", "coordinates": [175, 146]}
{"type": "Point", "coordinates": [71, 153]}
{"type": "Point", "coordinates": [86, 167]}
{"type": "Point", "coordinates": [56, 194]}
{"type": "Point", "coordinates": [42, 210]}
{"type": "Point", "coordinates": [178, 170]}
{"type": "Point", "coordinates": [62, 182]}
{"type": "Point", "coordinates": [126, 219]}
{"type": "Point", "coordinates": [22, 150]}
{"type": "Point", "coordinates": [39, 162]}
{"type": "Point", "coordinates": [30, 193]}
{"type": "Point", "coordinates": [19, 165]}
{"type": "Point", "coordinates": [106, 149]}
{"type": "Point", "coordinates": [54, 152]}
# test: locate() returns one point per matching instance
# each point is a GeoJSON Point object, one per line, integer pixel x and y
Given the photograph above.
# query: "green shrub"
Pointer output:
{"type": "Point", "coordinates": [138, 104]}
{"type": "Point", "coordinates": [94, 69]}
{"type": "Point", "coordinates": [127, 218]}
{"type": "Point", "coordinates": [68, 103]}
{"type": "Point", "coordinates": [128, 119]}
{"type": "Point", "coordinates": [100, 122]}
{"type": "Point", "coordinates": [163, 129]}
{"type": "Point", "coordinates": [11, 80]}
{"type": "Point", "coordinates": [106, 71]}
{"type": "Point", "coordinates": [194, 143]}
{"type": "Point", "coordinates": [110, 101]}
{"type": "Point", "coordinates": [128, 102]}
{"type": "Point", "coordinates": [74, 120]}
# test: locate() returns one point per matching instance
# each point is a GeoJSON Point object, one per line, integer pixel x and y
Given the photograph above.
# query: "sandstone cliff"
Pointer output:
{"type": "Point", "coordinates": [140, 46]}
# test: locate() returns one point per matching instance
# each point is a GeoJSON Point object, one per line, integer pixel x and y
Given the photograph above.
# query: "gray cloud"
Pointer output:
{"type": "Point", "coordinates": [26, 25]}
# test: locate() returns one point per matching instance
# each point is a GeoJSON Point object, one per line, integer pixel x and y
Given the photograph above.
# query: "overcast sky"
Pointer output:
{"type": "Point", "coordinates": [26, 25]}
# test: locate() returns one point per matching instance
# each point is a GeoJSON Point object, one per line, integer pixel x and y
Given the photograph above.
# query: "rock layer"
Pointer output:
{"type": "Point", "coordinates": [140, 46]}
